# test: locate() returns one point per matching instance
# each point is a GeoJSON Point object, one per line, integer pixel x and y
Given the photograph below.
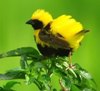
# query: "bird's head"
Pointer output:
{"type": "Point", "coordinates": [40, 19]}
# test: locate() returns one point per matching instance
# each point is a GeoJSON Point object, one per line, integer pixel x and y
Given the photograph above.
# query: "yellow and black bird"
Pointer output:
{"type": "Point", "coordinates": [56, 37]}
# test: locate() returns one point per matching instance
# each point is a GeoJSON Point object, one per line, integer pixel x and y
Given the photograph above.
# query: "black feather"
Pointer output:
{"type": "Point", "coordinates": [50, 51]}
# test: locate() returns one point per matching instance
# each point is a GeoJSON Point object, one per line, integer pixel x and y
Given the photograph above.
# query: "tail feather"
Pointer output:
{"type": "Point", "coordinates": [79, 36]}
{"type": "Point", "coordinates": [82, 32]}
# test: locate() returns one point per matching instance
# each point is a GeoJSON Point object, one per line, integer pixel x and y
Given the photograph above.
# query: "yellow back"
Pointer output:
{"type": "Point", "coordinates": [68, 28]}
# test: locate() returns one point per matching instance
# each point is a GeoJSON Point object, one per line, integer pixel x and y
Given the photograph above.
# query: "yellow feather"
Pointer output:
{"type": "Point", "coordinates": [43, 16]}
{"type": "Point", "coordinates": [67, 27]}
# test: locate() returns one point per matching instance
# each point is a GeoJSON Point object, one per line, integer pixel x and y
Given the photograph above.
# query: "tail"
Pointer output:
{"type": "Point", "coordinates": [82, 32]}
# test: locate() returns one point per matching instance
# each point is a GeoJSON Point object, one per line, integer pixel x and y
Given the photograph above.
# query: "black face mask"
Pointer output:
{"type": "Point", "coordinates": [36, 24]}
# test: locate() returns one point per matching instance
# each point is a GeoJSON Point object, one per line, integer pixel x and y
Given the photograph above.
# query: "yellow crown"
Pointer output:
{"type": "Point", "coordinates": [43, 16]}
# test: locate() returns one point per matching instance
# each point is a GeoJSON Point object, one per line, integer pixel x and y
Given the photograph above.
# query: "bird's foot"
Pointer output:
{"type": "Point", "coordinates": [71, 66]}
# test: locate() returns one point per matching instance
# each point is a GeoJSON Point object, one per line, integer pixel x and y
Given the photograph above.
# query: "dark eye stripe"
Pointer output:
{"type": "Point", "coordinates": [37, 24]}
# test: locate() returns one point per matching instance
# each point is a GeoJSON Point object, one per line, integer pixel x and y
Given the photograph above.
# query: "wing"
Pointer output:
{"type": "Point", "coordinates": [53, 40]}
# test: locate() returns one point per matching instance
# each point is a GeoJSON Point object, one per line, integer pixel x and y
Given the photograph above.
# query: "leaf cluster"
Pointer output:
{"type": "Point", "coordinates": [39, 70]}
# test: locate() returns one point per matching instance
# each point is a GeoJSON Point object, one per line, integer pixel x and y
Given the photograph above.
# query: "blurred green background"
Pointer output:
{"type": "Point", "coordinates": [14, 33]}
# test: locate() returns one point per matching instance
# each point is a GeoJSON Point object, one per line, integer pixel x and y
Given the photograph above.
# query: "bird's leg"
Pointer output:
{"type": "Point", "coordinates": [70, 59]}
{"type": "Point", "coordinates": [62, 87]}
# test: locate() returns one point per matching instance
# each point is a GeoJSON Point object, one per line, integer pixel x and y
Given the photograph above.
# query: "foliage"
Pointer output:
{"type": "Point", "coordinates": [8, 86]}
{"type": "Point", "coordinates": [38, 69]}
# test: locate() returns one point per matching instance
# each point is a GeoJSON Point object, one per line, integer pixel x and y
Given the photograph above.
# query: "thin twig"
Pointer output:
{"type": "Point", "coordinates": [63, 88]}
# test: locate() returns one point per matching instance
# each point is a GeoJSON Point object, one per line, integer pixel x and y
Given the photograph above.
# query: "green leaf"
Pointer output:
{"type": "Point", "coordinates": [86, 75]}
{"type": "Point", "coordinates": [72, 73]}
{"type": "Point", "coordinates": [85, 82]}
{"type": "Point", "coordinates": [54, 89]}
{"type": "Point", "coordinates": [29, 51]}
{"type": "Point", "coordinates": [38, 83]}
{"type": "Point", "coordinates": [10, 84]}
{"type": "Point", "coordinates": [13, 74]}
{"type": "Point", "coordinates": [1, 89]}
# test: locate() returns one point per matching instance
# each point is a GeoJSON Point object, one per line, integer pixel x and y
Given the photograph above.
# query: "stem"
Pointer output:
{"type": "Point", "coordinates": [37, 84]}
{"type": "Point", "coordinates": [63, 88]}
{"type": "Point", "coordinates": [23, 62]}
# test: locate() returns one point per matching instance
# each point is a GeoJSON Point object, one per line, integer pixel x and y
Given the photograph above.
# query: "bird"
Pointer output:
{"type": "Point", "coordinates": [56, 37]}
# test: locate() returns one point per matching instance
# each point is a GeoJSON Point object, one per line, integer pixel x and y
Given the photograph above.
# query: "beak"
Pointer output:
{"type": "Point", "coordinates": [29, 21]}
